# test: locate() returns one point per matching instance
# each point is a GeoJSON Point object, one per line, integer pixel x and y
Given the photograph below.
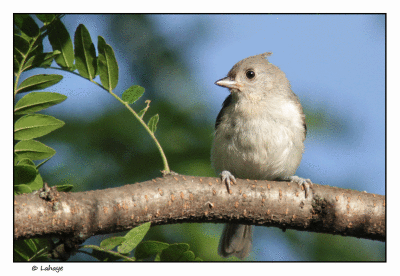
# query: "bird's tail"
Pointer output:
{"type": "Point", "coordinates": [236, 240]}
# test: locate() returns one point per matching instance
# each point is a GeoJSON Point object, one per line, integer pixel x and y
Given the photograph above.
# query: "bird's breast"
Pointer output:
{"type": "Point", "coordinates": [257, 145]}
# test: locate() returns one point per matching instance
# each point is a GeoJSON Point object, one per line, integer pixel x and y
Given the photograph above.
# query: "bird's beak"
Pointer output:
{"type": "Point", "coordinates": [228, 83]}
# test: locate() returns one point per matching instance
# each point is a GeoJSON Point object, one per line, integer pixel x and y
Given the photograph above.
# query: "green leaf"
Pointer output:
{"type": "Point", "coordinates": [101, 44]}
{"type": "Point", "coordinates": [16, 65]}
{"type": "Point", "coordinates": [187, 256]}
{"type": "Point", "coordinates": [60, 40]}
{"type": "Point", "coordinates": [107, 64]}
{"type": "Point", "coordinates": [64, 188]}
{"type": "Point", "coordinates": [21, 47]}
{"type": "Point", "coordinates": [105, 255]}
{"type": "Point", "coordinates": [112, 242]}
{"type": "Point", "coordinates": [41, 60]}
{"type": "Point", "coordinates": [133, 238]}
{"type": "Point", "coordinates": [38, 82]}
{"type": "Point", "coordinates": [22, 251]}
{"type": "Point", "coordinates": [143, 111]}
{"type": "Point", "coordinates": [43, 162]}
{"type": "Point", "coordinates": [35, 125]}
{"type": "Point", "coordinates": [132, 94]}
{"type": "Point", "coordinates": [174, 252]}
{"type": "Point", "coordinates": [33, 150]}
{"type": "Point", "coordinates": [37, 183]}
{"type": "Point", "coordinates": [26, 24]}
{"type": "Point", "coordinates": [149, 248]}
{"type": "Point", "coordinates": [153, 123]}
{"type": "Point", "coordinates": [24, 52]}
{"type": "Point", "coordinates": [24, 174]}
{"type": "Point", "coordinates": [45, 17]}
{"type": "Point", "coordinates": [16, 159]}
{"type": "Point", "coordinates": [22, 189]}
{"type": "Point", "coordinates": [85, 53]}
{"type": "Point", "coordinates": [36, 101]}
{"type": "Point", "coordinates": [33, 56]}
{"type": "Point", "coordinates": [25, 250]}
{"type": "Point", "coordinates": [26, 161]}
{"type": "Point", "coordinates": [36, 48]}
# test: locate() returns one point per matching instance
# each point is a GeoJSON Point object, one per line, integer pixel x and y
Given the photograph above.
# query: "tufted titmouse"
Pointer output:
{"type": "Point", "coordinates": [259, 134]}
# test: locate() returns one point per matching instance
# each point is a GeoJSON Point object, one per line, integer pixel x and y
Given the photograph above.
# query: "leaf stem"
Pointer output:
{"type": "Point", "coordinates": [163, 157]}
{"type": "Point", "coordinates": [116, 254]}
{"type": "Point", "coordinates": [41, 251]}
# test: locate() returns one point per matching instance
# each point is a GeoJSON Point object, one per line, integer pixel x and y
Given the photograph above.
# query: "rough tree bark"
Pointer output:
{"type": "Point", "coordinates": [178, 199]}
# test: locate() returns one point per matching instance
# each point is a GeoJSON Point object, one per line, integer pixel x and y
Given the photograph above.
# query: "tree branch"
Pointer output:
{"type": "Point", "coordinates": [178, 199]}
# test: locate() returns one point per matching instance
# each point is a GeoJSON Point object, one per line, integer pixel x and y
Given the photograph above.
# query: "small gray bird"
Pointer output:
{"type": "Point", "coordinates": [259, 134]}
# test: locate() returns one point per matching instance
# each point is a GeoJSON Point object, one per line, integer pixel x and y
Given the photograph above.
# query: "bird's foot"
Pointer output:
{"type": "Point", "coordinates": [227, 178]}
{"type": "Point", "coordinates": [306, 183]}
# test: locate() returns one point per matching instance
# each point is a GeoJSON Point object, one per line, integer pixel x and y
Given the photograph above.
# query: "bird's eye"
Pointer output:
{"type": "Point", "coordinates": [250, 74]}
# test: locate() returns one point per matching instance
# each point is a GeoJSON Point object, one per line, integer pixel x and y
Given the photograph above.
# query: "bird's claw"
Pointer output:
{"type": "Point", "coordinates": [227, 178]}
{"type": "Point", "coordinates": [306, 183]}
